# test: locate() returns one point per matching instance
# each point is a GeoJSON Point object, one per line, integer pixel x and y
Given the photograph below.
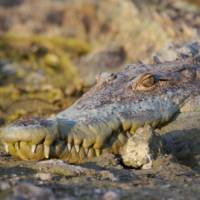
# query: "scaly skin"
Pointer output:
{"type": "Point", "coordinates": [103, 119]}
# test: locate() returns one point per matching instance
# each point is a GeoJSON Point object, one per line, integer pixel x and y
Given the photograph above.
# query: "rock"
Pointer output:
{"type": "Point", "coordinates": [107, 160]}
{"type": "Point", "coordinates": [59, 167]}
{"type": "Point", "coordinates": [62, 168]}
{"type": "Point", "coordinates": [10, 3]}
{"type": "Point", "coordinates": [7, 70]}
{"type": "Point", "coordinates": [44, 176]}
{"type": "Point", "coordinates": [110, 195]}
{"type": "Point", "coordinates": [141, 148]}
{"type": "Point", "coordinates": [174, 51]}
{"type": "Point", "coordinates": [4, 185]}
{"type": "Point", "coordinates": [107, 175]}
{"type": "Point", "coordinates": [110, 58]}
{"type": "Point", "coordinates": [30, 191]}
{"type": "Point", "coordinates": [52, 60]}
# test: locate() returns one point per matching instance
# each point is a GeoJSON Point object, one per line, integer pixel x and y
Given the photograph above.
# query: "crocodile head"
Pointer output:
{"type": "Point", "coordinates": [102, 119]}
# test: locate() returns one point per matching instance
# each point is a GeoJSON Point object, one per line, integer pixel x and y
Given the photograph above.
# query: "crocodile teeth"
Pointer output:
{"type": "Point", "coordinates": [126, 124]}
{"type": "Point", "coordinates": [86, 150]}
{"type": "Point", "coordinates": [69, 146]}
{"type": "Point", "coordinates": [91, 153]}
{"type": "Point", "coordinates": [97, 151]}
{"type": "Point", "coordinates": [77, 148]}
{"type": "Point", "coordinates": [6, 147]}
{"type": "Point", "coordinates": [17, 145]}
{"type": "Point", "coordinates": [128, 134]}
{"type": "Point", "coordinates": [33, 148]}
{"type": "Point", "coordinates": [135, 126]}
{"type": "Point", "coordinates": [46, 151]}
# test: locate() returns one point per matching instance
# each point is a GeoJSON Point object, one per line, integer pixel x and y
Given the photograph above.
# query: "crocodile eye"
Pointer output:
{"type": "Point", "coordinates": [146, 82]}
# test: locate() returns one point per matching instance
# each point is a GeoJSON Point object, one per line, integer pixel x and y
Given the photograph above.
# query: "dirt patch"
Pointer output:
{"type": "Point", "coordinates": [168, 179]}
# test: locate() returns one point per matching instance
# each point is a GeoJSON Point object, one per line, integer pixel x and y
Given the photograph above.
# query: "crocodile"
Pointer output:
{"type": "Point", "coordinates": [112, 111]}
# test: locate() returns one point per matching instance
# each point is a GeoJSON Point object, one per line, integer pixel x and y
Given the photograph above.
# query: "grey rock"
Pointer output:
{"type": "Point", "coordinates": [176, 51]}
{"type": "Point", "coordinates": [141, 148]}
{"type": "Point", "coordinates": [32, 192]}
{"type": "Point", "coordinates": [105, 59]}
{"type": "Point", "coordinates": [111, 195]}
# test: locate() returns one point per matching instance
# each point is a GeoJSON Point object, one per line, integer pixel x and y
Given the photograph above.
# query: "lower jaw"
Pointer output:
{"type": "Point", "coordinates": [60, 150]}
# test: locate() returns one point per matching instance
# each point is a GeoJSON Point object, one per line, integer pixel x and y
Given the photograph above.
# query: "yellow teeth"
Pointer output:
{"type": "Point", "coordinates": [128, 134]}
{"type": "Point", "coordinates": [46, 151]}
{"type": "Point", "coordinates": [82, 154]}
{"type": "Point", "coordinates": [135, 126]}
{"type": "Point", "coordinates": [69, 146]}
{"type": "Point", "coordinates": [77, 148]}
{"type": "Point", "coordinates": [17, 145]}
{"type": "Point", "coordinates": [114, 124]}
{"type": "Point", "coordinates": [98, 152]}
{"type": "Point", "coordinates": [6, 147]}
{"type": "Point", "coordinates": [88, 142]}
{"type": "Point", "coordinates": [155, 123]}
{"type": "Point", "coordinates": [86, 150]}
{"type": "Point", "coordinates": [126, 124]}
{"type": "Point", "coordinates": [122, 139]}
{"type": "Point", "coordinates": [91, 153]}
{"type": "Point", "coordinates": [33, 148]}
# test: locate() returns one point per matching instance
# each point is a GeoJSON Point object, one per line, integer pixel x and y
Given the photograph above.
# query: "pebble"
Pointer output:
{"type": "Point", "coordinates": [30, 191]}
{"type": "Point", "coordinates": [4, 186]}
{"type": "Point", "coordinates": [44, 176]}
{"type": "Point", "coordinates": [110, 195]}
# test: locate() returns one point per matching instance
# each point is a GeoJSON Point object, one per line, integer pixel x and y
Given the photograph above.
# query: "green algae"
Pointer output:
{"type": "Point", "coordinates": [52, 54]}
{"type": "Point", "coordinates": [42, 69]}
{"type": "Point", "coordinates": [50, 43]}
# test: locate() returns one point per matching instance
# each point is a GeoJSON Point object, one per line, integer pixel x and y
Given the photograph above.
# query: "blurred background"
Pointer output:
{"type": "Point", "coordinates": [51, 51]}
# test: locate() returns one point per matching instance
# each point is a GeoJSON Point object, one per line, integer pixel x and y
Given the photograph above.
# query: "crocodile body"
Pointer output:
{"type": "Point", "coordinates": [109, 113]}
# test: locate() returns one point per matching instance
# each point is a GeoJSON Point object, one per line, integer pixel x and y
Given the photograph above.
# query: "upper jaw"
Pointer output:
{"type": "Point", "coordinates": [111, 133]}
{"type": "Point", "coordinates": [78, 130]}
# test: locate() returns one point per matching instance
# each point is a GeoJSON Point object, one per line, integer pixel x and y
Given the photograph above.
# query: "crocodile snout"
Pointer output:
{"type": "Point", "coordinates": [28, 135]}
{"type": "Point", "coordinates": [73, 141]}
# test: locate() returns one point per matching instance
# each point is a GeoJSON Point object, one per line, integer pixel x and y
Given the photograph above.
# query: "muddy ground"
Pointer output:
{"type": "Point", "coordinates": [49, 58]}
{"type": "Point", "coordinates": [104, 178]}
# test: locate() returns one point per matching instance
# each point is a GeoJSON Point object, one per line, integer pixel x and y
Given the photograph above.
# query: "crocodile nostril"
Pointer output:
{"type": "Point", "coordinates": [105, 77]}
